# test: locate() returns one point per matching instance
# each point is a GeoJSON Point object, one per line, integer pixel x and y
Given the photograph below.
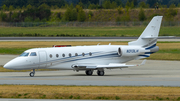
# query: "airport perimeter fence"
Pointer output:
{"type": "Point", "coordinates": [83, 24]}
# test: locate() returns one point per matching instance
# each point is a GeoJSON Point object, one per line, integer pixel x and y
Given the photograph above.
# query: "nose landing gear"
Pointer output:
{"type": "Point", "coordinates": [32, 73]}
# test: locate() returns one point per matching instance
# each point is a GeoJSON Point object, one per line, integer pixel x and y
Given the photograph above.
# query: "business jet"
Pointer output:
{"type": "Point", "coordinates": [90, 58]}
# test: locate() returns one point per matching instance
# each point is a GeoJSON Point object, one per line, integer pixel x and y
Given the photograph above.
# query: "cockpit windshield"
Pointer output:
{"type": "Point", "coordinates": [33, 54]}
{"type": "Point", "coordinates": [24, 54]}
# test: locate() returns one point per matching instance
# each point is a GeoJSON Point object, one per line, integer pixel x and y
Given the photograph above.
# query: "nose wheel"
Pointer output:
{"type": "Point", "coordinates": [32, 73]}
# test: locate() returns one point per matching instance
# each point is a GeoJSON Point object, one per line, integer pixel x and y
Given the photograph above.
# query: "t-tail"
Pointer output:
{"type": "Point", "coordinates": [148, 38]}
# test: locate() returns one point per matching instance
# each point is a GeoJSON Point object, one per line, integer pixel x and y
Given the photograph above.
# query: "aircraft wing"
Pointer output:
{"type": "Point", "coordinates": [110, 66]}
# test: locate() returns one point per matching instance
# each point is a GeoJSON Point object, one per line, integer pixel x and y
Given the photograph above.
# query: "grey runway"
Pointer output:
{"type": "Point", "coordinates": [153, 73]}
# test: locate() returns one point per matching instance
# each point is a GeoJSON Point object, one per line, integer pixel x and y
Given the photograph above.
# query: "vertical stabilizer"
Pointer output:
{"type": "Point", "coordinates": [150, 34]}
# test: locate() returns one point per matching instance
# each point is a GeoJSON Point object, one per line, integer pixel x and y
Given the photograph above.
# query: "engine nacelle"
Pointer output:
{"type": "Point", "coordinates": [130, 51]}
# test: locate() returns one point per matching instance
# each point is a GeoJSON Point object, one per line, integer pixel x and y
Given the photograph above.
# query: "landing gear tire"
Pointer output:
{"type": "Point", "coordinates": [100, 73]}
{"type": "Point", "coordinates": [31, 74]}
{"type": "Point", "coordinates": [89, 72]}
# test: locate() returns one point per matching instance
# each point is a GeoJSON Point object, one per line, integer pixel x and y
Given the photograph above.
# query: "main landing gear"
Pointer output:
{"type": "Point", "coordinates": [99, 72]}
{"type": "Point", "coordinates": [32, 73]}
{"type": "Point", "coordinates": [89, 72]}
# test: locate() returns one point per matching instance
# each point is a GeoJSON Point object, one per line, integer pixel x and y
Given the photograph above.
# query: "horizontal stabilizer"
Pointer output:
{"type": "Point", "coordinates": [149, 37]}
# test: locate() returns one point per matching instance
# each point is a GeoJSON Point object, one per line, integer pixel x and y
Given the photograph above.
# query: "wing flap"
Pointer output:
{"type": "Point", "coordinates": [114, 66]}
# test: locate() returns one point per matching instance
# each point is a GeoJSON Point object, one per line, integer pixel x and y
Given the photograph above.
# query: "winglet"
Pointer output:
{"type": "Point", "coordinates": [143, 62]}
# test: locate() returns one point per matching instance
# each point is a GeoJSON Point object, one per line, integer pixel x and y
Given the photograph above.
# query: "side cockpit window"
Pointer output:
{"type": "Point", "coordinates": [24, 54]}
{"type": "Point", "coordinates": [33, 54]}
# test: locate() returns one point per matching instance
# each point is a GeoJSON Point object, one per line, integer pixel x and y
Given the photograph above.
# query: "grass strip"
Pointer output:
{"type": "Point", "coordinates": [89, 92]}
{"type": "Point", "coordinates": [12, 50]}
{"type": "Point", "coordinates": [83, 31]}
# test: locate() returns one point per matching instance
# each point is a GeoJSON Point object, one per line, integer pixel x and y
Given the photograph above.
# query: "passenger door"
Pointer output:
{"type": "Point", "coordinates": [42, 59]}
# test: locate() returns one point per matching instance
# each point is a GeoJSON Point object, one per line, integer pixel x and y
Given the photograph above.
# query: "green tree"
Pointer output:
{"type": "Point", "coordinates": [90, 15]}
{"type": "Point", "coordinates": [3, 16]}
{"type": "Point", "coordinates": [81, 15]}
{"type": "Point", "coordinates": [4, 7]}
{"type": "Point", "coordinates": [35, 3]}
{"type": "Point", "coordinates": [152, 3]}
{"type": "Point", "coordinates": [44, 12]}
{"type": "Point", "coordinates": [118, 19]}
{"type": "Point", "coordinates": [142, 4]}
{"type": "Point", "coordinates": [93, 6]}
{"type": "Point", "coordinates": [11, 8]}
{"type": "Point", "coordinates": [67, 14]}
{"type": "Point", "coordinates": [171, 13]}
{"type": "Point", "coordinates": [29, 6]}
{"type": "Point", "coordinates": [81, 4]}
{"type": "Point", "coordinates": [56, 7]}
{"type": "Point", "coordinates": [44, 6]}
{"type": "Point", "coordinates": [132, 5]}
{"type": "Point", "coordinates": [28, 19]}
{"type": "Point", "coordinates": [71, 6]}
{"type": "Point", "coordinates": [23, 8]}
{"type": "Point", "coordinates": [74, 15]}
{"type": "Point", "coordinates": [128, 4]}
{"type": "Point", "coordinates": [37, 20]}
{"type": "Point", "coordinates": [142, 16]}
{"type": "Point", "coordinates": [113, 5]}
{"type": "Point", "coordinates": [120, 10]}
{"type": "Point", "coordinates": [78, 7]}
{"type": "Point", "coordinates": [106, 4]}
{"type": "Point", "coordinates": [18, 7]}
{"type": "Point", "coordinates": [70, 14]}
{"type": "Point", "coordinates": [14, 17]}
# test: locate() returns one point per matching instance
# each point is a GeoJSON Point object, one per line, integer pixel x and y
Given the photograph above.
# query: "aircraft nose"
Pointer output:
{"type": "Point", "coordinates": [8, 66]}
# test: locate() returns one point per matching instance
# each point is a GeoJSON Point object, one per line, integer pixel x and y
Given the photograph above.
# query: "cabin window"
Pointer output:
{"type": "Point", "coordinates": [57, 55]}
{"type": "Point", "coordinates": [24, 54]}
{"type": "Point", "coordinates": [69, 54]}
{"type": "Point", "coordinates": [63, 55]}
{"type": "Point", "coordinates": [76, 54]}
{"type": "Point", "coordinates": [50, 55]}
{"type": "Point", "coordinates": [33, 54]}
{"type": "Point", "coordinates": [83, 54]}
{"type": "Point", "coordinates": [90, 53]}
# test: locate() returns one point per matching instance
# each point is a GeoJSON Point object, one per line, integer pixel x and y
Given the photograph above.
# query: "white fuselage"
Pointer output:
{"type": "Point", "coordinates": [66, 57]}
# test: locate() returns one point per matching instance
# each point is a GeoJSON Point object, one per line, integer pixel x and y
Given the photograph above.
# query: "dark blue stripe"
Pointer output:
{"type": "Point", "coordinates": [109, 55]}
{"type": "Point", "coordinates": [149, 52]}
{"type": "Point", "coordinates": [144, 55]}
{"type": "Point", "coordinates": [74, 58]}
{"type": "Point", "coordinates": [64, 58]}
{"type": "Point", "coordinates": [151, 47]}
